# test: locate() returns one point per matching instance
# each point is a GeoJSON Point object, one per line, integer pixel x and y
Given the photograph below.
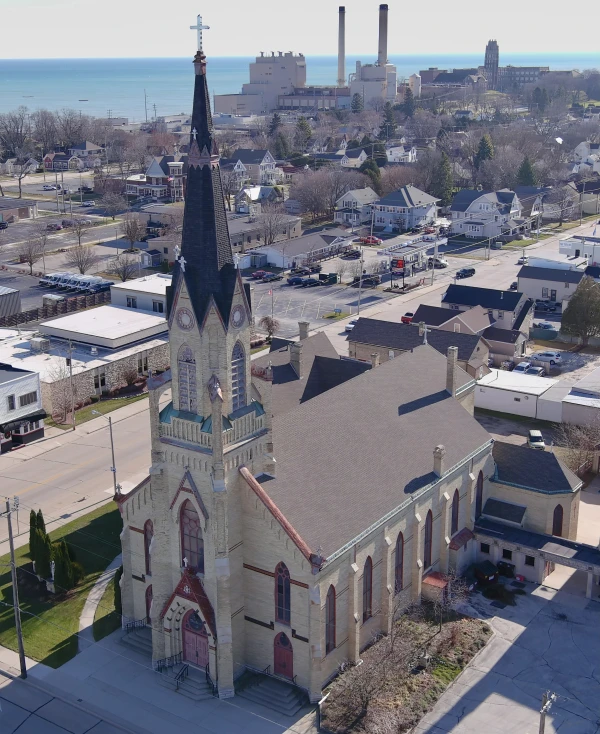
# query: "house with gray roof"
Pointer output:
{"type": "Point", "coordinates": [509, 309]}
{"type": "Point", "coordinates": [307, 248]}
{"type": "Point", "coordinates": [485, 214]}
{"type": "Point", "coordinates": [404, 209]}
{"type": "Point", "coordinates": [256, 166]}
{"type": "Point", "coordinates": [354, 207]}
{"type": "Point", "coordinates": [549, 284]}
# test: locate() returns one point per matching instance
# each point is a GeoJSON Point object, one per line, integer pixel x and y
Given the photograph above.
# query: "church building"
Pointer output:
{"type": "Point", "coordinates": [294, 504]}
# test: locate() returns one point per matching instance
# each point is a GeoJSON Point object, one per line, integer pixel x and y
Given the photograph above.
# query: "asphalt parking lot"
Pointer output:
{"type": "Point", "coordinates": [31, 293]}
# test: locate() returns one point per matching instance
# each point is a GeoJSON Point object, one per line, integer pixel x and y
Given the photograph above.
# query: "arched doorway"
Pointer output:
{"type": "Point", "coordinates": [195, 640]}
{"type": "Point", "coordinates": [479, 496]}
{"type": "Point", "coordinates": [148, 604]}
{"type": "Point", "coordinates": [283, 656]}
{"type": "Point", "coordinates": [557, 521]}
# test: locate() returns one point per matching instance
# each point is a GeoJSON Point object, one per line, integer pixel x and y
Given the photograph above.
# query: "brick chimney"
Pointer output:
{"type": "Point", "coordinates": [451, 364]}
{"type": "Point", "coordinates": [375, 359]}
{"type": "Point", "coordinates": [439, 452]}
{"type": "Point", "coordinates": [296, 357]}
{"type": "Point", "coordinates": [303, 327]}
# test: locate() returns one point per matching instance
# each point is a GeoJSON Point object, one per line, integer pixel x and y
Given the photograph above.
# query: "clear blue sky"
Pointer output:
{"type": "Point", "coordinates": [120, 28]}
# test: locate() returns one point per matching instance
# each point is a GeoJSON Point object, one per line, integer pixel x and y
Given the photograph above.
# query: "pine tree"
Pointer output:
{"type": "Point", "coordinates": [43, 551]}
{"type": "Point", "coordinates": [526, 174]}
{"type": "Point", "coordinates": [409, 105]}
{"type": "Point", "coordinates": [274, 124]}
{"type": "Point", "coordinates": [63, 568]}
{"type": "Point", "coordinates": [357, 104]}
{"type": "Point", "coordinates": [388, 125]}
{"type": "Point", "coordinates": [32, 534]}
{"type": "Point", "coordinates": [282, 147]}
{"type": "Point", "coordinates": [485, 152]}
{"type": "Point", "coordinates": [40, 522]}
{"type": "Point", "coordinates": [443, 183]}
{"type": "Point", "coordinates": [303, 133]}
{"type": "Point", "coordinates": [371, 169]}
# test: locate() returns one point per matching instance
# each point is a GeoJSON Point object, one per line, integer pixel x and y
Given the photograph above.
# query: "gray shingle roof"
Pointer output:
{"type": "Point", "coordinates": [433, 315]}
{"type": "Point", "coordinates": [8, 372]}
{"type": "Point", "coordinates": [362, 196]}
{"type": "Point", "coordinates": [252, 157]}
{"type": "Point", "coordinates": [463, 199]}
{"type": "Point", "coordinates": [466, 295]}
{"type": "Point", "coordinates": [553, 275]}
{"type": "Point", "coordinates": [9, 203]}
{"type": "Point", "coordinates": [504, 510]}
{"type": "Point", "coordinates": [356, 452]}
{"type": "Point", "coordinates": [408, 196]}
{"type": "Point", "coordinates": [540, 471]}
{"type": "Point", "coordinates": [508, 336]}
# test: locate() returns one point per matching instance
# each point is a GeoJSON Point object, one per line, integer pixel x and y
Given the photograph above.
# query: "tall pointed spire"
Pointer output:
{"type": "Point", "coordinates": [206, 263]}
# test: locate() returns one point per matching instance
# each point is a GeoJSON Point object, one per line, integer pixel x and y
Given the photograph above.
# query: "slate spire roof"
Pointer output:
{"type": "Point", "coordinates": [208, 266]}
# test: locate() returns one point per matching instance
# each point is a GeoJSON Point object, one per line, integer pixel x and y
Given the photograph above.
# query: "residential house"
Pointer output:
{"type": "Point", "coordinates": [353, 158]}
{"type": "Point", "coordinates": [548, 284]}
{"type": "Point", "coordinates": [307, 248]}
{"type": "Point", "coordinates": [532, 199]}
{"type": "Point", "coordinates": [291, 174]}
{"type": "Point", "coordinates": [405, 208]}
{"type": "Point", "coordinates": [21, 412]}
{"type": "Point", "coordinates": [256, 166]}
{"type": "Point", "coordinates": [18, 166]}
{"type": "Point", "coordinates": [331, 159]}
{"type": "Point", "coordinates": [164, 178]}
{"type": "Point", "coordinates": [374, 339]}
{"type": "Point", "coordinates": [486, 214]}
{"type": "Point", "coordinates": [584, 150]}
{"type": "Point", "coordinates": [401, 154]}
{"type": "Point", "coordinates": [59, 161]}
{"type": "Point", "coordinates": [254, 195]}
{"type": "Point", "coordinates": [562, 204]}
{"type": "Point", "coordinates": [86, 150]}
{"type": "Point", "coordinates": [509, 309]}
{"type": "Point", "coordinates": [354, 207]}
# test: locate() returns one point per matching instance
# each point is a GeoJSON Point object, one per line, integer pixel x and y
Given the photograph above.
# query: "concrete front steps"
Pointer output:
{"type": "Point", "coordinates": [139, 639]}
{"type": "Point", "coordinates": [273, 693]}
{"type": "Point", "coordinates": [193, 685]}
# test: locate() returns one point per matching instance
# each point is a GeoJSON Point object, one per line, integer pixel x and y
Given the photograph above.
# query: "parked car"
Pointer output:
{"type": "Point", "coordinates": [416, 230]}
{"type": "Point", "coordinates": [430, 230]}
{"type": "Point", "coordinates": [496, 245]}
{"type": "Point", "coordinates": [550, 357]}
{"type": "Point", "coordinates": [351, 324]}
{"type": "Point", "coordinates": [259, 274]}
{"type": "Point", "coordinates": [523, 367]}
{"type": "Point", "coordinates": [270, 277]}
{"type": "Point", "coordinates": [89, 203]}
{"type": "Point", "coordinates": [48, 187]}
{"type": "Point", "coordinates": [351, 255]}
{"type": "Point", "coordinates": [370, 240]}
{"type": "Point", "coordinates": [514, 285]}
{"type": "Point", "coordinates": [310, 282]}
{"type": "Point", "coordinates": [315, 268]}
{"type": "Point", "coordinates": [546, 305]}
{"type": "Point", "coordinates": [407, 318]}
{"type": "Point", "coordinates": [523, 260]}
{"type": "Point", "coordinates": [465, 273]}
{"type": "Point", "coordinates": [536, 371]}
{"type": "Point", "coordinates": [535, 440]}
{"type": "Point", "coordinates": [543, 325]}
{"type": "Point", "coordinates": [53, 227]}
{"type": "Point", "coordinates": [3, 225]}
{"type": "Point", "coordinates": [300, 270]}
{"type": "Point", "coordinates": [294, 280]}
{"type": "Point", "coordinates": [67, 222]}
{"type": "Point", "coordinates": [437, 262]}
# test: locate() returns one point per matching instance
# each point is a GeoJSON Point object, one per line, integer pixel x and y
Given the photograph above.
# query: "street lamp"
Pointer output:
{"type": "Point", "coordinates": [113, 468]}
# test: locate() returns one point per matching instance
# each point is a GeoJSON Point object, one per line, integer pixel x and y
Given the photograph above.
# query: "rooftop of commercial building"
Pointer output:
{"type": "Point", "coordinates": [516, 382]}
{"type": "Point", "coordinates": [155, 284]}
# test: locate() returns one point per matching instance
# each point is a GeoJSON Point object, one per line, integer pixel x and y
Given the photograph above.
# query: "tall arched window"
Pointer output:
{"type": "Point", "coordinates": [148, 535]}
{"type": "Point", "coordinates": [148, 599]}
{"type": "Point", "coordinates": [455, 512]}
{"type": "Point", "coordinates": [238, 377]}
{"type": "Point", "coordinates": [283, 602]}
{"type": "Point", "coordinates": [186, 368]}
{"type": "Point", "coordinates": [330, 621]}
{"type": "Point", "coordinates": [557, 521]}
{"type": "Point", "coordinates": [479, 496]}
{"type": "Point", "coordinates": [427, 540]}
{"type": "Point", "coordinates": [192, 544]}
{"type": "Point", "coordinates": [399, 563]}
{"type": "Point", "coordinates": [367, 589]}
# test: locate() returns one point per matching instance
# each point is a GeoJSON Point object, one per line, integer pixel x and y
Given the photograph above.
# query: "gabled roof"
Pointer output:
{"type": "Point", "coordinates": [362, 196]}
{"type": "Point", "coordinates": [464, 198]}
{"type": "Point", "coordinates": [507, 511]}
{"type": "Point", "coordinates": [251, 157]}
{"type": "Point", "coordinates": [539, 471]}
{"type": "Point", "coordinates": [85, 146]}
{"type": "Point", "coordinates": [405, 337]}
{"type": "Point", "coordinates": [506, 336]}
{"type": "Point", "coordinates": [550, 274]}
{"type": "Point", "coordinates": [432, 315]}
{"type": "Point", "coordinates": [466, 295]}
{"type": "Point", "coordinates": [354, 153]}
{"type": "Point", "coordinates": [408, 196]}
{"type": "Point", "coordinates": [155, 169]}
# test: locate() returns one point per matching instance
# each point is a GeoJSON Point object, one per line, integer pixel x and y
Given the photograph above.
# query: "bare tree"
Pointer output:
{"type": "Point", "coordinates": [564, 198]}
{"type": "Point", "coordinates": [456, 592]}
{"type": "Point", "coordinates": [113, 204]}
{"type": "Point", "coordinates": [124, 267]}
{"type": "Point", "coordinates": [270, 325]}
{"type": "Point", "coordinates": [22, 168]}
{"type": "Point", "coordinates": [133, 230]}
{"type": "Point", "coordinates": [30, 252]}
{"type": "Point", "coordinates": [82, 257]}
{"type": "Point", "coordinates": [45, 131]}
{"type": "Point", "coordinates": [394, 177]}
{"type": "Point", "coordinates": [58, 377]}
{"type": "Point", "coordinates": [14, 131]}
{"type": "Point", "coordinates": [271, 222]}
{"type": "Point", "coordinates": [580, 444]}
{"type": "Point", "coordinates": [70, 127]}
{"type": "Point", "coordinates": [137, 151]}
{"type": "Point", "coordinates": [341, 269]}
{"type": "Point", "coordinates": [80, 227]}
{"type": "Point", "coordinates": [231, 184]}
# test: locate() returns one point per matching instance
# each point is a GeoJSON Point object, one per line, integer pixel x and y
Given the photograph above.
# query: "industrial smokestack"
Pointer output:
{"type": "Point", "coordinates": [341, 80]}
{"type": "Point", "coordinates": [383, 34]}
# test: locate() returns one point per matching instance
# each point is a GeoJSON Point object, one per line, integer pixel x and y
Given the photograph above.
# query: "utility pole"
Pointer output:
{"type": "Point", "coordinates": [547, 700]}
{"type": "Point", "coordinates": [71, 383]}
{"type": "Point", "coordinates": [15, 588]}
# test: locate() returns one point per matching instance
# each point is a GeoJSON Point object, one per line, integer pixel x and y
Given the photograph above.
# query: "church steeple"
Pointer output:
{"type": "Point", "coordinates": [206, 264]}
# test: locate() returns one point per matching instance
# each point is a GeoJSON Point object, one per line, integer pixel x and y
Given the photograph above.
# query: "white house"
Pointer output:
{"type": "Point", "coordinates": [17, 166]}
{"type": "Point", "coordinates": [306, 249]}
{"type": "Point", "coordinates": [546, 284]}
{"type": "Point", "coordinates": [401, 154]}
{"type": "Point", "coordinates": [354, 207]}
{"type": "Point", "coordinates": [86, 151]}
{"type": "Point", "coordinates": [257, 166]}
{"type": "Point", "coordinates": [584, 150]}
{"type": "Point", "coordinates": [353, 158]}
{"type": "Point", "coordinates": [509, 309]}
{"type": "Point", "coordinates": [404, 209]}
{"type": "Point", "coordinates": [485, 214]}
{"type": "Point", "coordinates": [21, 413]}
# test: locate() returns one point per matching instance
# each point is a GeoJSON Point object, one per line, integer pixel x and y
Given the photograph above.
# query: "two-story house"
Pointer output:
{"type": "Point", "coordinates": [353, 158]}
{"type": "Point", "coordinates": [21, 412]}
{"type": "Point", "coordinates": [164, 179]}
{"type": "Point", "coordinates": [584, 150]}
{"type": "Point", "coordinates": [485, 214]}
{"type": "Point", "coordinates": [256, 166]}
{"type": "Point", "coordinates": [354, 207]}
{"type": "Point", "coordinates": [405, 208]}
{"type": "Point", "coordinates": [401, 154]}
{"type": "Point", "coordinates": [89, 153]}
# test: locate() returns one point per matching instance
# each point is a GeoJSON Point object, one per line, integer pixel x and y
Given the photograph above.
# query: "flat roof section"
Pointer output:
{"type": "Point", "coordinates": [107, 326]}
{"type": "Point", "coordinates": [516, 382]}
{"type": "Point", "coordinates": [155, 285]}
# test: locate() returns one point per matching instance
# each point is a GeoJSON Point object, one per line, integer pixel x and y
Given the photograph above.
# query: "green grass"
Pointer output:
{"type": "Point", "coordinates": [103, 406]}
{"type": "Point", "coordinates": [106, 619]}
{"type": "Point", "coordinates": [445, 672]}
{"type": "Point", "coordinates": [50, 623]}
{"type": "Point", "coordinates": [335, 316]}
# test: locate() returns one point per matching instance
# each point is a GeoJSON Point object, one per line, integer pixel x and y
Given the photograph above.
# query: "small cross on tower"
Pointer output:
{"type": "Point", "coordinates": [199, 28]}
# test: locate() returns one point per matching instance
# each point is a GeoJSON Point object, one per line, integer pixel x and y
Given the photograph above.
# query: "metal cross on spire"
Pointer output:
{"type": "Point", "coordinates": [199, 28]}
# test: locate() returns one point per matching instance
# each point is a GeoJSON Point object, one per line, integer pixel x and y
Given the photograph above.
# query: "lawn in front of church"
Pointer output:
{"type": "Point", "coordinates": [395, 686]}
{"type": "Point", "coordinates": [51, 623]}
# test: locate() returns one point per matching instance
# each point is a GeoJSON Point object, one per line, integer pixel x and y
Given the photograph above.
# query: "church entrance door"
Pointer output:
{"type": "Point", "coordinates": [195, 640]}
{"type": "Point", "coordinates": [283, 656]}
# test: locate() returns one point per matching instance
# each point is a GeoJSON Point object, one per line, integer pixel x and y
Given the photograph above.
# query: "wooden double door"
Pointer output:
{"type": "Point", "coordinates": [283, 656]}
{"type": "Point", "coordinates": [195, 640]}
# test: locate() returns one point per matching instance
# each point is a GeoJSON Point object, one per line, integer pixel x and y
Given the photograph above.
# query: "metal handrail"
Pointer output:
{"type": "Point", "coordinates": [135, 624]}
{"type": "Point", "coordinates": [181, 676]}
{"type": "Point", "coordinates": [168, 662]}
{"type": "Point", "coordinates": [267, 670]}
{"type": "Point", "coordinates": [209, 681]}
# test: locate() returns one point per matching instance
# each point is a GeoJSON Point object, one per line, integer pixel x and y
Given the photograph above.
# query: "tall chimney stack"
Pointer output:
{"type": "Point", "coordinates": [383, 35]}
{"type": "Point", "coordinates": [341, 80]}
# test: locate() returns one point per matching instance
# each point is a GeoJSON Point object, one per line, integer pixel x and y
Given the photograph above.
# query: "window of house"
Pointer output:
{"type": "Point", "coordinates": [566, 285]}
{"type": "Point", "coordinates": [484, 547]}
{"type": "Point", "coordinates": [142, 365]}
{"type": "Point", "coordinates": [238, 377]}
{"type": "Point", "coordinates": [131, 302]}
{"type": "Point", "coordinates": [192, 543]}
{"type": "Point", "coordinates": [399, 564]}
{"type": "Point", "coordinates": [330, 621]}
{"type": "Point", "coordinates": [455, 512]}
{"type": "Point", "coordinates": [544, 293]}
{"type": "Point", "coordinates": [557, 521]}
{"type": "Point", "coordinates": [158, 306]}
{"type": "Point", "coordinates": [500, 314]}
{"type": "Point", "coordinates": [100, 380]}
{"type": "Point", "coordinates": [11, 402]}
{"type": "Point", "coordinates": [506, 554]}
{"type": "Point", "coordinates": [529, 560]}
{"type": "Point", "coordinates": [427, 542]}
{"type": "Point", "coordinates": [166, 250]}
{"type": "Point", "coordinates": [282, 594]}
{"type": "Point", "coordinates": [367, 589]}
{"type": "Point", "coordinates": [28, 399]}
{"type": "Point", "coordinates": [148, 535]}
